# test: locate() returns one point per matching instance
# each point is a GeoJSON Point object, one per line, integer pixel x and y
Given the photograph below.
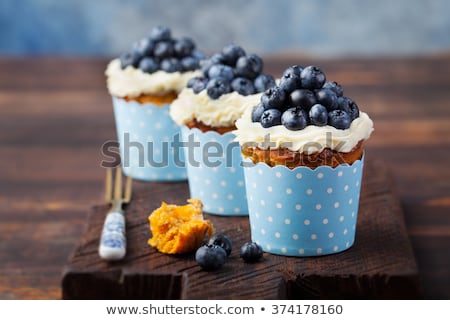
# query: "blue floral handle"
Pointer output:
{"type": "Point", "coordinates": [113, 240]}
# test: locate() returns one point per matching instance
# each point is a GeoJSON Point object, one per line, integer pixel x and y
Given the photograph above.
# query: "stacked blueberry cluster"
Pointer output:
{"type": "Point", "coordinates": [214, 254]}
{"type": "Point", "coordinates": [302, 98]}
{"type": "Point", "coordinates": [159, 51]}
{"type": "Point", "coordinates": [232, 70]}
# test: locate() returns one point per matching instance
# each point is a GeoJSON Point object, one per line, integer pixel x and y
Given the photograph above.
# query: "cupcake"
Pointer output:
{"type": "Point", "coordinates": [303, 158]}
{"type": "Point", "coordinates": [207, 110]}
{"type": "Point", "coordinates": [143, 83]}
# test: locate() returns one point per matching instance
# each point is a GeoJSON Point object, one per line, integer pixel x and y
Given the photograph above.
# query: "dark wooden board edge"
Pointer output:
{"type": "Point", "coordinates": [120, 281]}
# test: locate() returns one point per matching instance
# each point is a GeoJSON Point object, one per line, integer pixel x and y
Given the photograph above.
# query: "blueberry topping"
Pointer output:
{"type": "Point", "coordinates": [302, 98]}
{"type": "Point", "coordinates": [221, 71]}
{"type": "Point", "coordinates": [318, 115]}
{"type": "Point", "coordinates": [183, 47]}
{"type": "Point", "coordinates": [270, 118]}
{"type": "Point", "coordinates": [243, 86]}
{"type": "Point", "coordinates": [231, 53]}
{"type": "Point", "coordinates": [148, 65]}
{"type": "Point", "coordinates": [249, 66]}
{"type": "Point", "coordinates": [217, 87]}
{"type": "Point", "coordinates": [294, 118]}
{"type": "Point", "coordinates": [339, 119]}
{"type": "Point", "coordinates": [171, 65]}
{"type": "Point", "coordinates": [130, 59]}
{"type": "Point", "coordinates": [163, 49]}
{"type": "Point", "coordinates": [197, 84]}
{"type": "Point", "coordinates": [222, 241]}
{"type": "Point", "coordinates": [159, 51]}
{"type": "Point", "coordinates": [251, 252]}
{"type": "Point", "coordinates": [327, 98]}
{"type": "Point", "coordinates": [160, 33]}
{"type": "Point", "coordinates": [273, 98]}
{"type": "Point", "coordinates": [349, 106]}
{"type": "Point", "coordinates": [290, 80]}
{"type": "Point", "coordinates": [336, 87]}
{"type": "Point", "coordinates": [312, 77]}
{"type": "Point", "coordinates": [263, 82]}
{"type": "Point", "coordinates": [144, 47]}
{"type": "Point", "coordinates": [257, 113]}
{"type": "Point", "coordinates": [210, 257]}
{"type": "Point", "coordinates": [189, 64]}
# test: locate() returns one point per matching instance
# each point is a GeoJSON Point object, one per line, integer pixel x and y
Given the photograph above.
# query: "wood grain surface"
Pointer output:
{"type": "Point", "coordinates": [380, 265]}
{"type": "Point", "coordinates": [56, 113]}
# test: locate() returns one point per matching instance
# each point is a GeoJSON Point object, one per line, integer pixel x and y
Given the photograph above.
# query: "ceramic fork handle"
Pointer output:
{"type": "Point", "coordinates": [113, 240]}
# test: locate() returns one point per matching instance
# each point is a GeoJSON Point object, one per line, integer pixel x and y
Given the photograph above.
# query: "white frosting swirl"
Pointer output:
{"type": "Point", "coordinates": [221, 112]}
{"type": "Point", "coordinates": [132, 82]}
{"type": "Point", "coordinates": [310, 140]}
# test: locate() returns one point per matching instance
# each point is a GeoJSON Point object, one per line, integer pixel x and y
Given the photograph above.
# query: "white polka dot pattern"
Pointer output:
{"type": "Point", "coordinates": [151, 128]}
{"type": "Point", "coordinates": [303, 212]}
{"type": "Point", "coordinates": [217, 180]}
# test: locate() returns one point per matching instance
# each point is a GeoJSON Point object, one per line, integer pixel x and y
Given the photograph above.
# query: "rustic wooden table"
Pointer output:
{"type": "Point", "coordinates": [56, 113]}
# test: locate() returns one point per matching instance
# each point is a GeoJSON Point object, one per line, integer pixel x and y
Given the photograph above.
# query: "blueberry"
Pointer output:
{"type": "Point", "coordinates": [217, 87]}
{"type": "Point", "coordinates": [222, 241]}
{"type": "Point", "coordinates": [163, 49]}
{"type": "Point", "coordinates": [270, 118]}
{"type": "Point", "coordinates": [349, 106]}
{"type": "Point", "coordinates": [148, 65]}
{"type": "Point", "coordinates": [249, 66]}
{"type": "Point", "coordinates": [327, 98]}
{"type": "Point", "coordinates": [273, 98]}
{"type": "Point", "coordinates": [197, 54]}
{"type": "Point", "coordinates": [243, 86]}
{"type": "Point", "coordinates": [183, 47]}
{"type": "Point", "coordinates": [251, 252]}
{"type": "Point", "coordinates": [221, 71]}
{"type": "Point", "coordinates": [339, 119]}
{"type": "Point", "coordinates": [218, 58]}
{"type": "Point", "coordinates": [189, 64]}
{"type": "Point", "coordinates": [210, 257]}
{"type": "Point", "coordinates": [160, 33]}
{"type": "Point", "coordinates": [318, 115]}
{"type": "Point", "coordinates": [336, 87]}
{"type": "Point", "coordinates": [231, 53]}
{"type": "Point", "coordinates": [130, 59]}
{"type": "Point", "coordinates": [263, 82]}
{"type": "Point", "coordinates": [302, 98]}
{"type": "Point", "coordinates": [312, 77]}
{"type": "Point", "coordinates": [290, 80]}
{"type": "Point", "coordinates": [171, 65]}
{"type": "Point", "coordinates": [205, 65]}
{"type": "Point", "coordinates": [294, 119]}
{"type": "Point", "coordinates": [144, 47]}
{"type": "Point", "coordinates": [197, 84]}
{"type": "Point", "coordinates": [257, 113]}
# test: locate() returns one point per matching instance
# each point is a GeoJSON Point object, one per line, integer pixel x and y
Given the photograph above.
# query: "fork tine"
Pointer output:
{"type": "Point", "coordinates": [128, 190]}
{"type": "Point", "coordinates": [108, 184]}
{"type": "Point", "coordinates": [118, 184]}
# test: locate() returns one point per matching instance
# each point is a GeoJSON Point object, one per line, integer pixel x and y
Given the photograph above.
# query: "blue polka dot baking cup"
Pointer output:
{"type": "Point", "coordinates": [146, 134]}
{"type": "Point", "coordinates": [303, 212]}
{"type": "Point", "coordinates": [215, 173]}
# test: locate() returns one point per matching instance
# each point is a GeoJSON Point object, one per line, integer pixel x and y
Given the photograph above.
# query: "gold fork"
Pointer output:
{"type": "Point", "coordinates": [113, 242]}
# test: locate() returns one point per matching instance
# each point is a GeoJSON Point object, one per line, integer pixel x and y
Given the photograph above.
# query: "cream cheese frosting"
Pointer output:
{"type": "Point", "coordinates": [310, 140]}
{"type": "Point", "coordinates": [132, 82]}
{"type": "Point", "coordinates": [221, 112]}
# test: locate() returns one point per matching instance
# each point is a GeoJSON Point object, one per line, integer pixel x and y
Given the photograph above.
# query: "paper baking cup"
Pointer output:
{"type": "Point", "coordinates": [145, 132]}
{"type": "Point", "coordinates": [215, 173]}
{"type": "Point", "coordinates": [303, 212]}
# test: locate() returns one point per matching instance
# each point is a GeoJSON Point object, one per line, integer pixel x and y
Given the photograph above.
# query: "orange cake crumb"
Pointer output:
{"type": "Point", "coordinates": [179, 229]}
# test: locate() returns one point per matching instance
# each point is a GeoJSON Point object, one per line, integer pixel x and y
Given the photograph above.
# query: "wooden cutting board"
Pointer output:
{"type": "Point", "coordinates": [380, 265]}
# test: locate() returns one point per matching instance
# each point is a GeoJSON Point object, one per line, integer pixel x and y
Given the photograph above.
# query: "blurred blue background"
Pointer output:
{"type": "Point", "coordinates": [320, 27]}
